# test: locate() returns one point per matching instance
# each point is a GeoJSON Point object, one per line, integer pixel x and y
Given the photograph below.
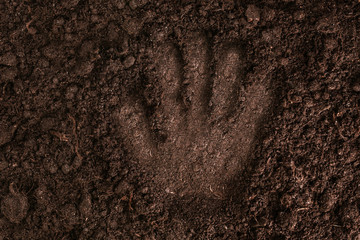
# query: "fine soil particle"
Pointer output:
{"type": "Point", "coordinates": [140, 119]}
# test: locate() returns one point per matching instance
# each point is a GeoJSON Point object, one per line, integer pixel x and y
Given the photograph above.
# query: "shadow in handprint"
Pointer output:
{"type": "Point", "coordinates": [209, 122]}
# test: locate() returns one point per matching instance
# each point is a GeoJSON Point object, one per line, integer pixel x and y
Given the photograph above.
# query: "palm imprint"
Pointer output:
{"type": "Point", "coordinates": [209, 123]}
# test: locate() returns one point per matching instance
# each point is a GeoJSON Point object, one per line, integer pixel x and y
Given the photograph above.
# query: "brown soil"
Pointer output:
{"type": "Point", "coordinates": [191, 120]}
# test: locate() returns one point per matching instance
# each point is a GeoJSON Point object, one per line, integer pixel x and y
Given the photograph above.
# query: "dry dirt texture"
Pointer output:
{"type": "Point", "coordinates": [139, 119]}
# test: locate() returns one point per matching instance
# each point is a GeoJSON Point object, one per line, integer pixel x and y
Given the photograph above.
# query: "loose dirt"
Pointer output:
{"type": "Point", "coordinates": [190, 120]}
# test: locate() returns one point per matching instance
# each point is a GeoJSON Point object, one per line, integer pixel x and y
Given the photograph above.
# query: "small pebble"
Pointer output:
{"type": "Point", "coordinates": [269, 14]}
{"type": "Point", "coordinates": [70, 3]}
{"type": "Point", "coordinates": [53, 168]}
{"type": "Point", "coordinates": [317, 96]}
{"type": "Point", "coordinates": [284, 61]}
{"type": "Point", "coordinates": [85, 205]}
{"type": "Point", "coordinates": [252, 14]}
{"type": "Point", "coordinates": [48, 123]}
{"type": "Point", "coordinates": [70, 92]}
{"type": "Point", "coordinates": [129, 61]}
{"type": "Point", "coordinates": [113, 224]}
{"type": "Point", "coordinates": [137, 3]}
{"type": "Point", "coordinates": [356, 87]}
{"type": "Point", "coordinates": [332, 86]}
{"type": "Point", "coordinates": [85, 68]}
{"type": "Point", "coordinates": [124, 45]}
{"type": "Point", "coordinates": [299, 15]}
{"type": "Point", "coordinates": [59, 21]}
{"type": "Point", "coordinates": [70, 213]}
{"type": "Point", "coordinates": [123, 188]}
{"type": "Point", "coordinates": [168, 190]}
{"type": "Point", "coordinates": [145, 190]}
{"type": "Point", "coordinates": [6, 133]}
{"type": "Point", "coordinates": [66, 168]}
{"type": "Point", "coordinates": [8, 59]}
{"type": "Point", "coordinates": [120, 4]}
{"type": "Point", "coordinates": [3, 165]}
{"type": "Point", "coordinates": [103, 213]}
{"type": "Point", "coordinates": [8, 74]}
{"type": "Point", "coordinates": [50, 52]}
{"type": "Point", "coordinates": [134, 4]}
{"type": "Point", "coordinates": [14, 206]}
{"type": "Point", "coordinates": [326, 96]}
{"type": "Point", "coordinates": [133, 26]}
{"type": "Point", "coordinates": [41, 195]}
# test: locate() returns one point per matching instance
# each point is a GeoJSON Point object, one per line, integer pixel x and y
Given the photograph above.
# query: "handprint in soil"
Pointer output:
{"type": "Point", "coordinates": [208, 122]}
